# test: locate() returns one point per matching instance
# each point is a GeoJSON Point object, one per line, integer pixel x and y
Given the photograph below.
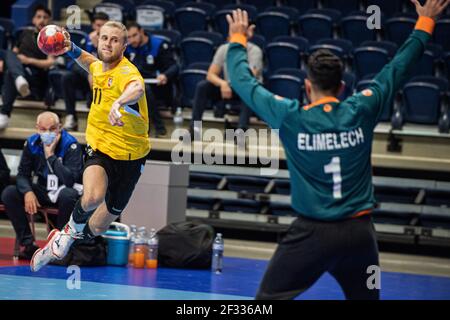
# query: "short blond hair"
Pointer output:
{"type": "Point", "coordinates": [120, 26]}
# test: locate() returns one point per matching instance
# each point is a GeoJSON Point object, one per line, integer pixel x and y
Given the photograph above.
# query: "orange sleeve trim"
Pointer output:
{"type": "Point", "coordinates": [239, 38]}
{"type": "Point", "coordinates": [425, 24]}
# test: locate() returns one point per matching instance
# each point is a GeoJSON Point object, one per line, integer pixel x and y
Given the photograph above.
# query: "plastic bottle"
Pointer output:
{"type": "Point", "coordinates": [133, 235]}
{"type": "Point", "coordinates": [217, 254]}
{"type": "Point", "coordinates": [140, 248]}
{"type": "Point", "coordinates": [178, 118]}
{"type": "Point", "coordinates": [152, 255]}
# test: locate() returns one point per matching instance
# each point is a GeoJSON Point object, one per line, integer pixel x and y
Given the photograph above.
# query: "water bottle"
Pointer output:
{"type": "Point", "coordinates": [133, 234]}
{"type": "Point", "coordinates": [152, 255]}
{"type": "Point", "coordinates": [217, 254]}
{"type": "Point", "coordinates": [178, 118]}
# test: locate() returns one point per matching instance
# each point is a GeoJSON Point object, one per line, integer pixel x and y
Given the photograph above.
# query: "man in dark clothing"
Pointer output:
{"type": "Point", "coordinates": [155, 60]}
{"type": "Point", "coordinates": [26, 66]}
{"type": "Point", "coordinates": [51, 163]}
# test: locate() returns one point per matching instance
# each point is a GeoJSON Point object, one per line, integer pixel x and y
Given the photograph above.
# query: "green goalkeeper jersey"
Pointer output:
{"type": "Point", "coordinates": [327, 144]}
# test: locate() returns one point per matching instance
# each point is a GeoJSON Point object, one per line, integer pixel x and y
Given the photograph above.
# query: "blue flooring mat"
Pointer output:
{"type": "Point", "coordinates": [239, 280]}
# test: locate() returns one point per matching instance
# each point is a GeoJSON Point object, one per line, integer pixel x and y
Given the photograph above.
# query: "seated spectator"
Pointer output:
{"type": "Point", "coordinates": [26, 66]}
{"type": "Point", "coordinates": [77, 77]}
{"type": "Point", "coordinates": [51, 163]}
{"type": "Point", "coordinates": [216, 87]}
{"type": "Point", "coordinates": [154, 59]}
{"type": "Point", "coordinates": [4, 172]}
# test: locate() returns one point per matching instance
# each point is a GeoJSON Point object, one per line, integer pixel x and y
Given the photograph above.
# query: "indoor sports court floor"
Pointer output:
{"type": "Point", "coordinates": [404, 277]}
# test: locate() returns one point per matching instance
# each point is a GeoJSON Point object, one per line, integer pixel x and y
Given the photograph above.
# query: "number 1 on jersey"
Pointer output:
{"type": "Point", "coordinates": [334, 167]}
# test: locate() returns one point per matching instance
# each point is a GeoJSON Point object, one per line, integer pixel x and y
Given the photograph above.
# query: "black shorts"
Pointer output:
{"type": "Point", "coordinates": [345, 249]}
{"type": "Point", "coordinates": [123, 176]}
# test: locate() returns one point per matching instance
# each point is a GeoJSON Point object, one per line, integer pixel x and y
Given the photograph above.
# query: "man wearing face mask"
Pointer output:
{"type": "Point", "coordinates": [51, 163]}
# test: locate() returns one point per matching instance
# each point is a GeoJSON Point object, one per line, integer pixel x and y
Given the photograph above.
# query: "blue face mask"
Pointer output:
{"type": "Point", "coordinates": [48, 137]}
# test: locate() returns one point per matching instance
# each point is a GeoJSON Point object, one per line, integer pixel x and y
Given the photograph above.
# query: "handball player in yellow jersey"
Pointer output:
{"type": "Point", "coordinates": [117, 142]}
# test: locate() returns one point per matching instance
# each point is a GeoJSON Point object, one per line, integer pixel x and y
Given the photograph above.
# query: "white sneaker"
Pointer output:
{"type": "Point", "coordinates": [42, 257]}
{"type": "Point", "coordinates": [58, 245]}
{"type": "Point", "coordinates": [22, 86]}
{"type": "Point", "coordinates": [70, 123]}
{"type": "Point", "coordinates": [4, 120]}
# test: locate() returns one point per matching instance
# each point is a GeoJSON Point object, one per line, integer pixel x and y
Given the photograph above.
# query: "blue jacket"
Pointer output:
{"type": "Point", "coordinates": [66, 163]}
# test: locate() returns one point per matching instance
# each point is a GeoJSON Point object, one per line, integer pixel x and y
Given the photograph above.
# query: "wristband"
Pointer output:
{"type": "Point", "coordinates": [75, 53]}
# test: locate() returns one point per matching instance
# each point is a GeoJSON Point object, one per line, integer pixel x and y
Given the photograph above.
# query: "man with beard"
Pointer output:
{"type": "Point", "coordinates": [117, 141]}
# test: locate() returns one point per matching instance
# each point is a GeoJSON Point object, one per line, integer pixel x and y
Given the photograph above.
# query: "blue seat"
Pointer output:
{"type": "Point", "coordinates": [241, 205]}
{"type": "Point", "coordinates": [199, 65]}
{"type": "Point", "coordinates": [220, 21]}
{"type": "Point", "coordinates": [215, 37]}
{"type": "Point", "coordinates": [334, 14]}
{"type": "Point", "coordinates": [442, 32]}
{"type": "Point", "coordinates": [2, 38]}
{"type": "Point", "coordinates": [315, 27]}
{"type": "Point", "coordinates": [258, 40]}
{"type": "Point", "coordinates": [421, 102]}
{"type": "Point", "coordinates": [354, 28]}
{"type": "Point", "coordinates": [332, 48]}
{"type": "Point", "coordinates": [273, 24]}
{"type": "Point", "coordinates": [286, 86]}
{"type": "Point", "coordinates": [189, 78]}
{"type": "Point", "coordinates": [349, 80]}
{"type": "Point", "coordinates": [200, 180]}
{"type": "Point", "coordinates": [301, 42]}
{"type": "Point", "coordinates": [447, 63]}
{"type": "Point", "coordinates": [8, 29]}
{"type": "Point", "coordinates": [79, 38]}
{"type": "Point", "coordinates": [261, 5]}
{"type": "Point", "coordinates": [345, 45]}
{"type": "Point", "coordinates": [246, 184]}
{"type": "Point", "coordinates": [298, 73]}
{"type": "Point", "coordinates": [200, 203]}
{"type": "Point", "coordinates": [168, 6]}
{"type": "Point", "coordinates": [151, 17]}
{"type": "Point", "coordinates": [209, 8]}
{"type": "Point", "coordinates": [387, 109]}
{"type": "Point", "coordinates": [173, 36]}
{"type": "Point", "coordinates": [368, 60]}
{"type": "Point", "coordinates": [196, 49]}
{"type": "Point", "coordinates": [303, 6]}
{"type": "Point", "coordinates": [128, 8]}
{"type": "Point", "coordinates": [398, 29]}
{"type": "Point", "coordinates": [426, 64]}
{"type": "Point", "coordinates": [190, 19]}
{"type": "Point", "coordinates": [292, 12]}
{"type": "Point", "coordinates": [114, 11]}
{"type": "Point", "coordinates": [220, 3]}
{"type": "Point", "coordinates": [55, 81]}
{"type": "Point", "coordinates": [282, 55]}
{"type": "Point", "coordinates": [282, 186]}
{"type": "Point", "coordinates": [388, 7]}
{"type": "Point", "coordinates": [251, 9]}
{"type": "Point", "coordinates": [343, 6]}
{"type": "Point", "coordinates": [439, 198]}
{"type": "Point", "coordinates": [389, 46]}
{"type": "Point", "coordinates": [281, 209]}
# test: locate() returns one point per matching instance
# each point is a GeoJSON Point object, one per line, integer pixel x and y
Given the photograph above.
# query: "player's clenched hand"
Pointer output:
{"type": "Point", "coordinates": [115, 115]}
{"type": "Point", "coordinates": [432, 8]}
{"type": "Point", "coordinates": [67, 42]}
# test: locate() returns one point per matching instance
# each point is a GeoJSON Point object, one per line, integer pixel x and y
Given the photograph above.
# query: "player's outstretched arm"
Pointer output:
{"type": "Point", "coordinates": [83, 58]}
{"type": "Point", "coordinates": [395, 73]}
{"type": "Point", "coordinates": [131, 95]}
{"type": "Point", "coordinates": [272, 109]}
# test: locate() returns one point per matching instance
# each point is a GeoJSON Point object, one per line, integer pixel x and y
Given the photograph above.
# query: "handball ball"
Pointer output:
{"type": "Point", "coordinates": [51, 40]}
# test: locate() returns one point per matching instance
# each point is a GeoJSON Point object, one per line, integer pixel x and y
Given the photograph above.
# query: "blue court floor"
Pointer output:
{"type": "Point", "coordinates": [239, 280]}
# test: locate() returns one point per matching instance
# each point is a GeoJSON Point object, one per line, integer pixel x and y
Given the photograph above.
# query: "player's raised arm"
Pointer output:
{"type": "Point", "coordinates": [272, 109]}
{"type": "Point", "coordinates": [393, 75]}
{"type": "Point", "coordinates": [83, 58]}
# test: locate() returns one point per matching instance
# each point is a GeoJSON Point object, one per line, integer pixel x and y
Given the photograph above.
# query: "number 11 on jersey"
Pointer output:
{"type": "Point", "coordinates": [334, 168]}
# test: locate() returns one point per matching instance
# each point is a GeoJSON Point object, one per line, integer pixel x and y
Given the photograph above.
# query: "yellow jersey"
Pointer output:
{"type": "Point", "coordinates": [131, 141]}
